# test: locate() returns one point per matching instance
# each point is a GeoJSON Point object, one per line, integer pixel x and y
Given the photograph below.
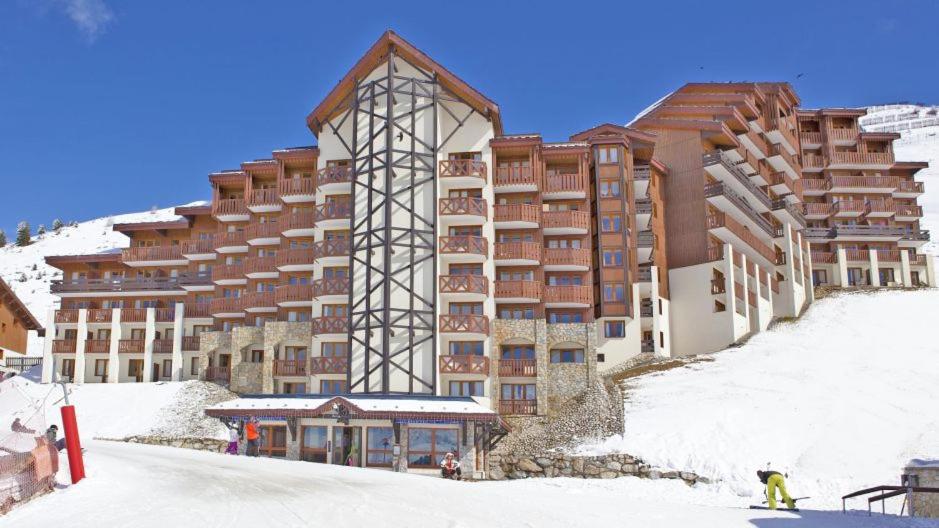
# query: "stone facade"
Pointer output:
{"type": "Point", "coordinates": [527, 331]}
{"type": "Point", "coordinates": [566, 381]}
{"type": "Point", "coordinates": [200, 444]}
{"type": "Point", "coordinates": [925, 504]}
{"type": "Point", "coordinates": [503, 467]}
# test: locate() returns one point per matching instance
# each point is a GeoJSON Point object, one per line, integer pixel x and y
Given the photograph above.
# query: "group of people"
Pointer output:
{"type": "Point", "coordinates": [251, 435]}
{"type": "Point", "coordinates": [51, 434]}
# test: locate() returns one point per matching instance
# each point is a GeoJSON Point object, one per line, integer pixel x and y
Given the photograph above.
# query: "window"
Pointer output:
{"type": "Point", "coordinates": [313, 446]}
{"type": "Point", "coordinates": [516, 313]}
{"type": "Point", "coordinates": [613, 292]}
{"type": "Point", "coordinates": [295, 353]}
{"type": "Point", "coordinates": [466, 269]}
{"type": "Point", "coordinates": [614, 329]}
{"type": "Point", "coordinates": [564, 243]}
{"type": "Point", "coordinates": [298, 316]}
{"type": "Point", "coordinates": [379, 442]}
{"type": "Point", "coordinates": [427, 447]}
{"type": "Point", "coordinates": [466, 231]}
{"type": "Point", "coordinates": [518, 351]}
{"type": "Point", "coordinates": [609, 188]}
{"type": "Point", "coordinates": [332, 386]}
{"type": "Point", "coordinates": [819, 277]}
{"type": "Point", "coordinates": [466, 348]}
{"type": "Point", "coordinates": [138, 334]}
{"type": "Point", "coordinates": [518, 391]}
{"type": "Point", "coordinates": [565, 317]}
{"type": "Point", "coordinates": [257, 356]}
{"type": "Point", "coordinates": [466, 388]}
{"type": "Point", "coordinates": [101, 368]}
{"type": "Point", "coordinates": [167, 368]}
{"type": "Point", "coordinates": [293, 388]}
{"type": "Point", "coordinates": [273, 440]}
{"type": "Point", "coordinates": [338, 272]}
{"type": "Point", "coordinates": [516, 275]}
{"type": "Point", "coordinates": [574, 355]}
{"type": "Point", "coordinates": [608, 154]}
{"type": "Point", "coordinates": [611, 223]}
{"type": "Point", "coordinates": [612, 257]}
{"type": "Point", "coordinates": [334, 349]}
{"type": "Point", "coordinates": [336, 310]}
{"type": "Point", "coordinates": [886, 276]}
{"type": "Point", "coordinates": [719, 306]}
{"type": "Point", "coordinates": [466, 309]}
{"type": "Point", "coordinates": [565, 280]}
{"type": "Point", "coordinates": [194, 367]}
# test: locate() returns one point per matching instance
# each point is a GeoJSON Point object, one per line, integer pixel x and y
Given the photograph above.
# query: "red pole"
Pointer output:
{"type": "Point", "coordinates": [76, 465]}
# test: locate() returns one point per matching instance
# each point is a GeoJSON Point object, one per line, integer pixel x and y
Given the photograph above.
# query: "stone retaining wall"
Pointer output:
{"type": "Point", "coordinates": [502, 467]}
{"type": "Point", "coordinates": [200, 444]}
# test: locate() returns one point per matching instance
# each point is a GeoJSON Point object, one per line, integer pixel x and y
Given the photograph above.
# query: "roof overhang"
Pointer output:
{"type": "Point", "coordinates": [16, 306]}
{"type": "Point", "coordinates": [182, 223]}
{"type": "Point", "coordinates": [94, 258]}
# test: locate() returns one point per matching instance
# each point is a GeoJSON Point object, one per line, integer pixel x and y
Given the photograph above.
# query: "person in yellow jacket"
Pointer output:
{"type": "Point", "coordinates": [774, 480]}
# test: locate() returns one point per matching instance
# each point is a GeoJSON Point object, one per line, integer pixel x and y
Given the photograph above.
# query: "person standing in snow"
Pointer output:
{"type": "Point", "coordinates": [51, 434]}
{"type": "Point", "coordinates": [450, 468]}
{"type": "Point", "coordinates": [774, 480]}
{"type": "Point", "coordinates": [232, 448]}
{"type": "Point", "coordinates": [251, 434]}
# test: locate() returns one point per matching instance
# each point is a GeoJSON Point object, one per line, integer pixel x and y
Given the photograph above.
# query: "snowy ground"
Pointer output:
{"type": "Point", "coordinates": [178, 487]}
{"type": "Point", "coordinates": [841, 399]}
{"type": "Point", "coordinates": [94, 236]}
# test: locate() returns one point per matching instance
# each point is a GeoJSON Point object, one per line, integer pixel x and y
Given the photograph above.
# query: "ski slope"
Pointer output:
{"type": "Point", "coordinates": [841, 399]}
{"type": "Point", "coordinates": [25, 269]}
{"type": "Point", "coordinates": [144, 486]}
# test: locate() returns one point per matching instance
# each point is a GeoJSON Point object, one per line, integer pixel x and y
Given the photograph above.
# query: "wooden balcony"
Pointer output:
{"type": "Point", "coordinates": [66, 316]}
{"type": "Point", "coordinates": [516, 215]}
{"type": "Point", "coordinates": [843, 134]}
{"type": "Point", "coordinates": [229, 273]}
{"type": "Point", "coordinates": [164, 315]}
{"type": "Point", "coordinates": [329, 365]}
{"type": "Point", "coordinates": [290, 367]}
{"type": "Point", "coordinates": [462, 169]}
{"type": "Point", "coordinates": [857, 255]}
{"type": "Point", "coordinates": [218, 374]}
{"type": "Point", "coordinates": [464, 324]}
{"type": "Point", "coordinates": [522, 178]}
{"type": "Point", "coordinates": [330, 325]}
{"type": "Point", "coordinates": [888, 255]}
{"type": "Point", "coordinates": [568, 295]}
{"type": "Point", "coordinates": [462, 207]}
{"type": "Point", "coordinates": [117, 284]}
{"type": "Point", "coordinates": [817, 210]}
{"type": "Point", "coordinates": [721, 220]}
{"type": "Point", "coordinates": [261, 200]}
{"type": "Point", "coordinates": [332, 248]}
{"type": "Point", "coordinates": [464, 364]}
{"type": "Point", "coordinates": [294, 295]}
{"type": "Point", "coordinates": [884, 208]}
{"type": "Point", "coordinates": [333, 175]}
{"type": "Point", "coordinates": [848, 208]}
{"type": "Point", "coordinates": [154, 254]}
{"type": "Point", "coordinates": [292, 188]}
{"type": "Point", "coordinates": [463, 245]}
{"type": "Point", "coordinates": [560, 259]}
{"type": "Point", "coordinates": [518, 368]}
{"type": "Point", "coordinates": [781, 183]}
{"type": "Point", "coordinates": [230, 208]}
{"type": "Point", "coordinates": [64, 346]}
{"type": "Point", "coordinates": [226, 305]}
{"type": "Point", "coordinates": [860, 183]}
{"type": "Point", "coordinates": [99, 315]}
{"type": "Point", "coordinates": [97, 346]}
{"type": "Point", "coordinates": [298, 259]}
{"type": "Point", "coordinates": [910, 187]}
{"type": "Point", "coordinates": [824, 257]}
{"type": "Point", "coordinates": [299, 223]}
{"type": "Point", "coordinates": [333, 211]}
{"type": "Point", "coordinates": [877, 159]}
{"type": "Point", "coordinates": [519, 291]}
{"type": "Point", "coordinates": [517, 253]}
{"type": "Point", "coordinates": [569, 185]}
{"type": "Point", "coordinates": [518, 407]}
{"type": "Point", "coordinates": [198, 247]}
{"type": "Point", "coordinates": [565, 222]}
{"type": "Point", "coordinates": [333, 286]}
{"type": "Point", "coordinates": [908, 212]}
{"type": "Point", "coordinates": [197, 310]}
{"type": "Point", "coordinates": [191, 343]}
{"type": "Point", "coordinates": [812, 162]}
{"type": "Point", "coordinates": [260, 267]}
{"type": "Point", "coordinates": [257, 233]}
{"type": "Point", "coordinates": [259, 301]}
{"type": "Point", "coordinates": [130, 346]}
{"type": "Point", "coordinates": [811, 138]}
{"type": "Point", "coordinates": [641, 172]}
{"type": "Point", "coordinates": [162, 346]}
{"type": "Point", "coordinates": [230, 239]}
{"type": "Point", "coordinates": [473, 284]}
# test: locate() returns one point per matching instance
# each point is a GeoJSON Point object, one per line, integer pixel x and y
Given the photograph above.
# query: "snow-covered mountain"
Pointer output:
{"type": "Point", "coordinates": [918, 127]}
{"type": "Point", "coordinates": [27, 273]}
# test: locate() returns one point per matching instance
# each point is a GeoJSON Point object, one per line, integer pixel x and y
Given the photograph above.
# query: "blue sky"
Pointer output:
{"type": "Point", "coordinates": [111, 106]}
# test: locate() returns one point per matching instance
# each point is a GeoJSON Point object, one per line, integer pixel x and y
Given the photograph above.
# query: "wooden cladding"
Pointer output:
{"type": "Point", "coordinates": [514, 176]}
{"type": "Point", "coordinates": [293, 293]}
{"type": "Point", "coordinates": [153, 253]}
{"type": "Point", "coordinates": [464, 364]}
{"type": "Point", "coordinates": [331, 286]}
{"type": "Point", "coordinates": [474, 324]}
{"type": "Point", "coordinates": [464, 284]}
{"type": "Point", "coordinates": [462, 168]}
{"type": "Point", "coordinates": [229, 206]}
{"type": "Point", "coordinates": [520, 289]}
{"type": "Point", "coordinates": [329, 365]}
{"type": "Point", "coordinates": [464, 244]}
{"type": "Point", "coordinates": [566, 219]}
{"type": "Point", "coordinates": [527, 213]}
{"type": "Point", "coordinates": [337, 174]}
{"type": "Point", "coordinates": [330, 325]}
{"type": "Point", "coordinates": [462, 206]}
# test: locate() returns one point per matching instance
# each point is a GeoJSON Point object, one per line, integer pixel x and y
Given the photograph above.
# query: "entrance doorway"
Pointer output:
{"type": "Point", "coordinates": [347, 446]}
{"type": "Point", "coordinates": [135, 369]}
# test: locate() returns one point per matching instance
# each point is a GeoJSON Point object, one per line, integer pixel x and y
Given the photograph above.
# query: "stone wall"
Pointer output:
{"type": "Point", "coordinates": [503, 467]}
{"type": "Point", "coordinates": [926, 504]}
{"type": "Point", "coordinates": [199, 444]}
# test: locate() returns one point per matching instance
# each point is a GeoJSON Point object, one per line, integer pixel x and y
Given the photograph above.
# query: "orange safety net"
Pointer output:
{"type": "Point", "coordinates": [29, 459]}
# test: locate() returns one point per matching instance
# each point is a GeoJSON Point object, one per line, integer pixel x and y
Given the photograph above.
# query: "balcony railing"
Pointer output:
{"type": "Point", "coordinates": [296, 186]}
{"type": "Point", "coordinates": [218, 374]}
{"type": "Point", "coordinates": [862, 158]}
{"type": "Point", "coordinates": [333, 211]}
{"type": "Point", "coordinates": [199, 309]}
{"type": "Point", "coordinates": [888, 255]}
{"type": "Point", "coordinates": [228, 272]}
{"type": "Point", "coordinates": [134, 315]}
{"type": "Point", "coordinates": [857, 255]}
{"type": "Point", "coordinates": [164, 315]}
{"type": "Point", "coordinates": [330, 325]}
{"type": "Point", "coordinates": [514, 176]}
{"type": "Point", "coordinates": [576, 294]}
{"type": "Point", "coordinates": [130, 346]}
{"type": "Point", "coordinates": [641, 172]}
{"type": "Point", "coordinates": [791, 208]}
{"type": "Point", "coordinates": [295, 257]}
{"type": "Point", "coordinates": [297, 220]}
{"type": "Point", "coordinates": [337, 247]}
{"type": "Point", "coordinates": [814, 138]}
{"type": "Point", "coordinates": [518, 368]}
{"type": "Point", "coordinates": [328, 175]}
{"type": "Point", "coordinates": [290, 367]}
{"type": "Point", "coordinates": [909, 211]}
{"type": "Point", "coordinates": [191, 342]}
{"type": "Point", "coordinates": [718, 220]}
{"type": "Point", "coordinates": [153, 253]}
{"type": "Point", "coordinates": [463, 168]}
{"type": "Point", "coordinates": [99, 315]}
{"type": "Point", "coordinates": [464, 364]}
{"type": "Point", "coordinates": [719, 189]}
{"type": "Point", "coordinates": [528, 407]}
{"type": "Point", "coordinates": [519, 289]}
{"type": "Point", "coordinates": [462, 206]}
{"type": "Point", "coordinates": [163, 346]}
{"type": "Point", "coordinates": [260, 265]}
{"type": "Point", "coordinates": [842, 134]}
{"type": "Point", "coordinates": [643, 206]}
{"type": "Point", "coordinates": [850, 207]}
{"type": "Point", "coordinates": [868, 182]}
{"type": "Point", "coordinates": [566, 220]}
{"type": "Point", "coordinates": [718, 286]}
{"type": "Point", "coordinates": [258, 299]}
{"type": "Point", "coordinates": [567, 257]}
{"type": "Point", "coordinates": [812, 161]}
{"type": "Point", "coordinates": [331, 286]}
{"type": "Point", "coordinates": [201, 246]}
{"type": "Point", "coordinates": [261, 197]}
{"type": "Point", "coordinates": [229, 206]}
{"type": "Point", "coordinates": [329, 365]}
{"type": "Point", "coordinates": [823, 257]}
{"type": "Point", "coordinates": [231, 238]}
{"type": "Point", "coordinates": [880, 207]}
{"type": "Point", "coordinates": [464, 284]}
{"type": "Point", "coordinates": [907, 186]}
{"type": "Point", "coordinates": [116, 284]}
{"type": "Point", "coordinates": [220, 305]}
{"type": "Point", "coordinates": [518, 251]}
{"type": "Point", "coordinates": [565, 183]}
{"type": "Point", "coordinates": [63, 346]}
{"type": "Point", "coordinates": [817, 209]}
{"type": "Point", "coordinates": [294, 293]}
{"type": "Point", "coordinates": [717, 156]}
{"type": "Point", "coordinates": [860, 230]}
{"type": "Point", "coordinates": [459, 324]}
{"type": "Point", "coordinates": [265, 230]}
{"type": "Point", "coordinates": [472, 245]}
{"type": "Point", "coordinates": [792, 161]}
{"type": "Point", "coordinates": [97, 346]}
{"type": "Point", "coordinates": [645, 239]}
{"type": "Point", "coordinates": [516, 213]}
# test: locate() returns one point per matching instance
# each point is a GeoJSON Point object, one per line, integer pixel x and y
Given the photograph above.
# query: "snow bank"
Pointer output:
{"type": "Point", "coordinates": [841, 399]}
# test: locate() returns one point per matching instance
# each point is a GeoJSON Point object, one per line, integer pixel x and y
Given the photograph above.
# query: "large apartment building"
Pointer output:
{"type": "Point", "coordinates": [860, 204]}
{"type": "Point", "coordinates": [419, 265]}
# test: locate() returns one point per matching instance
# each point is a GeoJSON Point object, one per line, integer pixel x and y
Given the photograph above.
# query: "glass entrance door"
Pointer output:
{"type": "Point", "coordinates": [347, 446]}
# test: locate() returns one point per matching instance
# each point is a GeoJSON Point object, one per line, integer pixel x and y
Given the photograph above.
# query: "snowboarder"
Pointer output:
{"type": "Point", "coordinates": [232, 448]}
{"type": "Point", "coordinates": [774, 480]}
{"type": "Point", "coordinates": [51, 434]}
{"type": "Point", "coordinates": [18, 427]}
{"type": "Point", "coordinates": [450, 468]}
{"type": "Point", "coordinates": [251, 434]}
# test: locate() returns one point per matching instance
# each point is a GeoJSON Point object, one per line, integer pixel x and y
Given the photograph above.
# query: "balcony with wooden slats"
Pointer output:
{"type": "Point", "coordinates": [517, 253]}
{"type": "Point", "coordinates": [261, 267]}
{"type": "Point", "coordinates": [295, 259]}
{"type": "Point", "coordinates": [460, 172]}
{"type": "Point", "coordinates": [565, 186]}
{"type": "Point", "coordinates": [230, 210]}
{"type": "Point", "coordinates": [153, 256]}
{"type": "Point", "coordinates": [227, 307]}
{"type": "Point", "coordinates": [519, 291]}
{"type": "Point", "coordinates": [297, 224]}
{"type": "Point", "coordinates": [130, 346]}
{"type": "Point", "coordinates": [231, 242]}
{"type": "Point", "coordinates": [330, 325]}
{"type": "Point", "coordinates": [464, 324]}
{"type": "Point", "coordinates": [462, 209]}
{"type": "Point", "coordinates": [567, 296]}
{"type": "Point", "coordinates": [260, 302]}
{"type": "Point", "coordinates": [229, 274]}
{"type": "Point", "coordinates": [202, 249]}
{"type": "Point", "coordinates": [333, 214]}
{"type": "Point", "coordinates": [515, 179]}
{"type": "Point", "coordinates": [64, 346]}
{"type": "Point", "coordinates": [463, 248]}
{"type": "Point", "coordinates": [297, 190]}
{"type": "Point", "coordinates": [334, 179]}
{"type": "Point", "coordinates": [464, 364]}
{"type": "Point", "coordinates": [329, 365]}
{"type": "Point", "coordinates": [464, 287]}
{"type": "Point", "coordinates": [331, 287]}
{"type": "Point", "coordinates": [294, 295]}
{"type": "Point", "coordinates": [261, 234]}
{"type": "Point", "coordinates": [734, 233]}
{"type": "Point", "coordinates": [518, 407]}
{"type": "Point", "coordinates": [290, 367]}
{"type": "Point", "coordinates": [566, 259]}
{"type": "Point", "coordinates": [264, 200]}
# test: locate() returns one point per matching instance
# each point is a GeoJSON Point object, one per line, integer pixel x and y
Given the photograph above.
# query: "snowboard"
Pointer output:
{"type": "Point", "coordinates": [754, 507]}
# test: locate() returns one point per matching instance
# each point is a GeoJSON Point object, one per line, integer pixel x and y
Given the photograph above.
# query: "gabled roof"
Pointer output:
{"type": "Point", "coordinates": [16, 306]}
{"type": "Point", "coordinates": [608, 129]}
{"type": "Point", "coordinates": [375, 56]}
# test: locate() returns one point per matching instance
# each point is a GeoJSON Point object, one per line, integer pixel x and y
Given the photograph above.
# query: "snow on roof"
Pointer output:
{"type": "Point", "coordinates": [923, 463]}
{"type": "Point", "coordinates": [403, 404]}
{"type": "Point", "coordinates": [564, 144]}
{"type": "Point", "coordinates": [650, 108]}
